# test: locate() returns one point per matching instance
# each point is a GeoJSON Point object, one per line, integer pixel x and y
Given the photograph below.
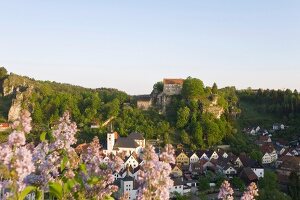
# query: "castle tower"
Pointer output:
{"type": "Point", "coordinates": [110, 141]}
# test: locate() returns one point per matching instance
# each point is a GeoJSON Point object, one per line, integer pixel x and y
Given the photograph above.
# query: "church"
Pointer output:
{"type": "Point", "coordinates": [133, 143]}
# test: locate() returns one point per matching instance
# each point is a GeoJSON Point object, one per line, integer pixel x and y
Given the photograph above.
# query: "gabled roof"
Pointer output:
{"type": "Point", "coordinates": [127, 158]}
{"type": "Point", "coordinates": [191, 153]}
{"type": "Point", "coordinates": [291, 163]}
{"type": "Point", "coordinates": [177, 181]}
{"type": "Point", "coordinates": [247, 161]}
{"type": "Point", "coordinates": [200, 153]}
{"type": "Point", "coordinates": [178, 152]}
{"type": "Point", "coordinates": [145, 97]}
{"type": "Point", "coordinates": [136, 136]}
{"type": "Point", "coordinates": [136, 169]}
{"type": "Point", "coordinates": [174, 165]}
{"type": "Point", "coordinates": [128, 178]}
{"type": "Point", "coordinates": [125, 142]}
{"type": "Point", "coordinates": [267, 148]}
{"type": "Point", "coordinates": [209, 153]}
{"type": "Point", "coordinates": [81, 147]}
{"type": "Point", "coordinates": [263, 138]}
{"type": "Point", "coordinates": [248, 175]}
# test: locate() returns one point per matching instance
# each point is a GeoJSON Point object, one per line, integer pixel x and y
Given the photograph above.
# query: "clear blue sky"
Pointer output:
{"type": "Point", "coordinates": [130, 45]}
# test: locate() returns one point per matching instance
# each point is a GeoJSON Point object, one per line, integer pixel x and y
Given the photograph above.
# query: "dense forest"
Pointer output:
{"type": "Point", "coordinates": [279, 102]}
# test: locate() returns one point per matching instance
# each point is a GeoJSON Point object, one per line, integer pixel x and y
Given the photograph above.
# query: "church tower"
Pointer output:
{"type": "Point", "coordinates": [110, 141]}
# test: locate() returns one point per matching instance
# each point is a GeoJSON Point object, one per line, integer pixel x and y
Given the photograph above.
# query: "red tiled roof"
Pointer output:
{"type": "Point", "coordinates": [173, 81]}
{"type": "Point", "coordinates": [267, 148]}
{"type": "Point", "coordinates": [4, 125]}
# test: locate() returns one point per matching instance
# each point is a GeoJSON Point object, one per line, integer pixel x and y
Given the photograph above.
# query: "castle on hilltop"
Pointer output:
{"type": "Point", "coordinates": [162, 98]}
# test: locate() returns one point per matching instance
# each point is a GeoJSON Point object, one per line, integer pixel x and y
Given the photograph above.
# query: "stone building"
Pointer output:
{"type": "Point", "coordinates": [171, 87]}
{"type": "Point", "coordinates": [143, 102]}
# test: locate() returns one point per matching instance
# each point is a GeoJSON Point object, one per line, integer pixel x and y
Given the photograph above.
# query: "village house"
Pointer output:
{"type": "Point", "coordinates": [278, 126]}
{"type": "Point", "coordinates": [131, 161]}
{"type": "Point", "coordinates": [208, 165]}
{"type": "Point", "coordinates": [248, 176]}
{"type": "Point", "coordinates": [229, 170]}
{"type": "Point", "coordinates": [130, 186]}
{"type": "Point", "coordinates": [176, 171]}
{"type": "Point", "coordinates": [193, 157]}
{"type": "Point", "coordinates": [177, 187]}
{"type": "Point", "coordinates": [288, 165]}
{"type": "Point", "coordinates": [181, 158]}
{"type": "Point", "coordinates": [263, 139]}
{"type": "Point", "coordinates": [269, 153]}
{"type": "Point", "coordinates": [222, 153]}
{"type": "Point", "coordinates": [196, 169]}
{"type": "Point", "coordinates": [202, 155]}
{"type": "Point", "coordinates": [212, 155]}
{"type": "Point", "coordinates": [254, 165]}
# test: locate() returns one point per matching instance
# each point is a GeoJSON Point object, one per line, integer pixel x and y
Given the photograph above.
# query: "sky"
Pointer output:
{"type": "Point", "coordinates": [130, 45]}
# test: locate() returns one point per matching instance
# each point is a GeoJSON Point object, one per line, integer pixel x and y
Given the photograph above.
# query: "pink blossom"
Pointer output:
{"type": "Point", "coordinates": [155, 174]}
{"type": "Point", "coordinates": [226, 191]}
{"type": "Point", "coordinates": [64, 133]}
{"type": "Point", "coordinates": [16, 138]}
{"type": "Point", "coordinates": [93, 159]}
{"type": "Point", "coordinates": [250, 193]}
{"type": "Point", "coordinates": [16, 157]}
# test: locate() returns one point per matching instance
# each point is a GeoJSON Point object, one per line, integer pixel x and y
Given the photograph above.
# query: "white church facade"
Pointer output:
{"type": "Point", "coordinates": [133, 143]}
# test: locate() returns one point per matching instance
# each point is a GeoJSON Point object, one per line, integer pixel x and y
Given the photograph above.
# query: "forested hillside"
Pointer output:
{"type": "Point", "coordinates": [266, 107]}
{"type": "Point", "coordinates": [190, 118]}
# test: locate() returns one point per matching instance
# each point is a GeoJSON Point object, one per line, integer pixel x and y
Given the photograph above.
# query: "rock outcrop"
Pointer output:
{"type": "Point", "coordinates": [19, 89]}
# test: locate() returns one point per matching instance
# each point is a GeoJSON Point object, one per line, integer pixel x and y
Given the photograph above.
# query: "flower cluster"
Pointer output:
{"type": "Point", "coordinates": [65, 133]}
{"type": "Point", "coordinates": [155, 174]}
{"type": "Point", "coordinates": [98, 166]}
{"type": "Point", "coordinates": [250, 193]}
{"type": "Point", "coordinates": [48, 156]}
{"type": "Point", "coordinates": [226, 192]}
{"type": "Point", "coordinates": [15, 158]}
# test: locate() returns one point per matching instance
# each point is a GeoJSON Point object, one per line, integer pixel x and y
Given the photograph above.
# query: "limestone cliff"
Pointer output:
{"type": "Point", "coordinates": [14, 83]}
{"type": "Point", "coordinates": [214, 108]}
{"type": "Point", "coordinates": [19, 89]}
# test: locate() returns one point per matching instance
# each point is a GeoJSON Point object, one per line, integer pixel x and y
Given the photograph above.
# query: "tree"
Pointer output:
{"type": "Point", "coordinates": [269, 188]}
{"type": "Point", "coordinates": [214, 89]}
{"type": "Point", "coordinates": [192, 88]}
{"type": "Point", "coordinates": [294, 185]}
{"type": "Point", "coordinates": [197, 134]}
{"type": "Point", "coordinates": [113, 108]}
{"type": "Point", "coordinates": [159, 86]}
{"type": "Point", "coordinates": [185, 138]}
{"type": "Point", "coordinates": [256, 155]}
{"type": "Point", "coordinates": [203, 184]}
{"type": "Point", "coordinates": [213, 133]}
{"type": "Point", "coordinates": [180, 197]}
{"type": "Point", "coordinates": [182, 117]}
{"type": "Point", "coordinates": [238, 183]}
{"type": "Point", "coordinates": [3, 72]}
